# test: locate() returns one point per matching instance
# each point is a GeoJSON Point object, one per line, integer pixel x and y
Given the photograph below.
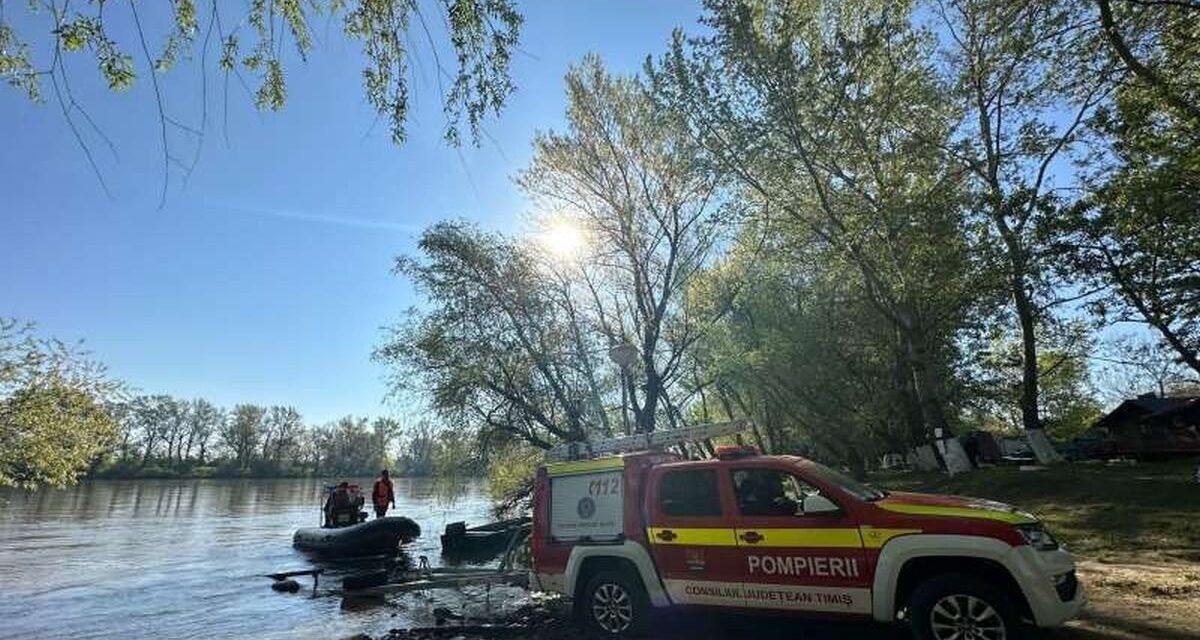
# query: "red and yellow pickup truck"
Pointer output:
{"type": "Point", "coordinates": [625, 533]}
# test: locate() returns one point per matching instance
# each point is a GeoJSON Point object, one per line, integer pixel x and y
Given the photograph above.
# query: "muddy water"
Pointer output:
{"type": "Point", "coordinates": [183, 559]}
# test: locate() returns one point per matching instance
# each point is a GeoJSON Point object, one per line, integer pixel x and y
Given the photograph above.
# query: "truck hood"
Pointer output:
{"type": "Point", "coordinates": [928, 504]}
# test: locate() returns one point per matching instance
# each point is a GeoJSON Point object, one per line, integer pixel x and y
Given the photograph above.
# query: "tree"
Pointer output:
{"type": "Point", "coordinates": [803, 354]}
{"type": "Point", "coordinates": [481, 35]}
{"type": "Point", "coordinates": [206, 419]}
{"type": "Point", "coordinates": [153, 418]}
{"type": "Point", "coordinates": [1173, 28]}
{"type": "Point", "coordinates": [416, 457]}
{"type": "Point", "coordinates": [1069, 402]}
{"type": "Point", "coordinates": [242, 432]}
{"type": "Point", "coordinates": [822, 113]}
{"type": "Point", "coordinates": [1131, 367]}
{"type": "Point", "coordinates": [629, 177]}
{"type": "Point", "coordinates": [1135, 235]}
{"type": "Point", "coordinates": [49, 433]}
{"type": "Point", "coordinates": [175, 428]}
{"type": "Point", "coordinates": [490, 348]}
{"type": "Point", "coordinates": [281, 428]}
{"type": "Point", "coordinates": [347, 446]}
{"type": "Point", "coordinates": [1026, 77]}
{"type": "Point", "coordinates": [54, 409]}
{"type": "Point", "coordinates": [384, 432]}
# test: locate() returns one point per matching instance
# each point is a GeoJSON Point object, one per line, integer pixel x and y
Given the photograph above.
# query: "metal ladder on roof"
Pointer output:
{"type": "Point", "coordinates": [644, 441]}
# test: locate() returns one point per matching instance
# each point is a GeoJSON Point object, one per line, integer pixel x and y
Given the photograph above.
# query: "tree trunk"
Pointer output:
{"type": "Point", "coordinates": [148, 452]}
{"type": "Point", "coordinates": [1030, 417]}
{"type": "Point", "coordinates": [925, 385]}
{"type": "Point", "coordinates": [1029, 363]}
{"type": "Point", "coordinates": [903, 380]}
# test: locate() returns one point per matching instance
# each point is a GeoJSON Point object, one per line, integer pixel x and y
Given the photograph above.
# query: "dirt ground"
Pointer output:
{"type": "Point", "coordinates": [1152, 598]}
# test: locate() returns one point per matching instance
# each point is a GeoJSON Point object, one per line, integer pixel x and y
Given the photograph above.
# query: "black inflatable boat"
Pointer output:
{"type": "Point", "coordinates": [484, 540]}
{"type": "Point", "coordinates": [374, 537]}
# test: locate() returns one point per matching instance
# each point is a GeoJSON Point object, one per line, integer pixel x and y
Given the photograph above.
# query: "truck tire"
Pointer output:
{"type": "Point", "coordinates": [614, 605]}
{"type": "Point", "coordinates": [959, 607]}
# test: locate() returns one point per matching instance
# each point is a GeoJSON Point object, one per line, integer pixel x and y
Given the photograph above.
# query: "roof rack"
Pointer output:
{"type": "Point", "coordinates": [644, 441]}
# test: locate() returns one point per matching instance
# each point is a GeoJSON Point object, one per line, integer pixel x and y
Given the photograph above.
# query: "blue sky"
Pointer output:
{"type": "Point", "coordinates": [266, 278]}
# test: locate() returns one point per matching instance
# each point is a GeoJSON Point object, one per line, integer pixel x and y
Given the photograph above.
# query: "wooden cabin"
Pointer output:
{"type": "Point", "coordinates": [1151, 426]}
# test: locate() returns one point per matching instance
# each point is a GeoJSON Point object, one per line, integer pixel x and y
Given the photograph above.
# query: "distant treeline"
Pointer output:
{"type": "Point", "coordinates": [161, 436]}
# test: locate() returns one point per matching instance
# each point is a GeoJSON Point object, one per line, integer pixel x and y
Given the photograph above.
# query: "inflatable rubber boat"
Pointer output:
{"type": "Point", "coordinates": [373, 537]}
{"type": "Point", "coordinates": [488, 540]}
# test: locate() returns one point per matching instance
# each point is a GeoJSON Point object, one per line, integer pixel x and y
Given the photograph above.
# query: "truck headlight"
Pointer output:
{"type": "Point", "coordinates": [1037, 536]}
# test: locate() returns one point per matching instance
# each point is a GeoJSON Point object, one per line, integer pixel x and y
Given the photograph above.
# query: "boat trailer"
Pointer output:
{"type": "Point", "coordinates": [423, 577]}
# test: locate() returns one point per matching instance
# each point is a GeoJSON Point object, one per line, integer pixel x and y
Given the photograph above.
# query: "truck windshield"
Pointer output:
{"type": "Point", "coordinates": [846, 483]}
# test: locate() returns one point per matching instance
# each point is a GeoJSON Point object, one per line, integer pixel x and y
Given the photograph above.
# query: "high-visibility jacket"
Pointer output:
{"type": "Point", "coordinates": [382, 494]}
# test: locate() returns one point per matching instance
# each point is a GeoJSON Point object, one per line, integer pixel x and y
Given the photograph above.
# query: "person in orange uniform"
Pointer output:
{"type": "Point", "coordinates": [382, 495]}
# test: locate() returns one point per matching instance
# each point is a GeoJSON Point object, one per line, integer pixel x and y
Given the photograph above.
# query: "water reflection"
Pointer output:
{"type": "Point", "coordinates": [184, 559]}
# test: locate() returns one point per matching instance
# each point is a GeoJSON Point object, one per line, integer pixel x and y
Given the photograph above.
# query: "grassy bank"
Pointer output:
{"type": "Point", "coordinates": [1135, 531]}
{"type": "Point", "coordinates": [1097, 510]}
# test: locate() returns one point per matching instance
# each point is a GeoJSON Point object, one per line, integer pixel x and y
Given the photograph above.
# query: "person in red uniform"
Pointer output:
{"type": "Point", "coordinates": [382, 495]}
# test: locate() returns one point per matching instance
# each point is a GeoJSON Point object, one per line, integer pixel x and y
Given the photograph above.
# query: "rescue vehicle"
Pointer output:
{"type": "Point", "coordinates": [627, 525]}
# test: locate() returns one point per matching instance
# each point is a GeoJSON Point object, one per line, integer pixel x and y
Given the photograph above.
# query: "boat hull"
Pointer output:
{"type": "Point", "coordinates": [482, 541]}
{"type": "Point", "coordinates": [374, 537]}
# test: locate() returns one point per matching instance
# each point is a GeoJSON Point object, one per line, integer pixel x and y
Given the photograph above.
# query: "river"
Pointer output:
{"type": "Point", "coordinates": [184, 559]}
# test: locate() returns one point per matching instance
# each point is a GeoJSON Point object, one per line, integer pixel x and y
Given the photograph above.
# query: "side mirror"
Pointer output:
{"type": "Point", "coordinates": [816, 505]}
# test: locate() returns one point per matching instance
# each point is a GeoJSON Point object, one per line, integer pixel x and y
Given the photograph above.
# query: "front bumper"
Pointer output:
{"type": "Point", "coordinates": [1047, 578]}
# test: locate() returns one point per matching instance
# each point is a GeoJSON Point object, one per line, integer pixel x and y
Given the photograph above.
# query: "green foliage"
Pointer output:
{"type": "Point", "coordinates": [829, 116]}
{"type": "Point", "coordinates": [1136, 234]}
{"type": "Point", "coordinates": [512, 345]}
{"type": "Point", "coordinates": [510, 473]}
{"type": "Point", "coordinates": [491, 348]}
{"type": "Point", "coordinates": [1069, 400]}
{"type": "Point", "coordinates": [627, 177]}
{"type": "Point", "coordinates": [876, 257]}
{"type": "Point", "coordinates": [54, 419]}
{"type": "Point", "coordinates": [181, 38]}
{"type": "Point", "coordinates": [481, 34]}
{"type": "Point", "coordinates": [242, 432]}
{"type": "Point", "coordinates": [511, 470]}
{"type": "Point", "coordinates": [455, 455]}
{"type": "Point", "coordinates": [15, 66]}
{"type": "Point", "coordinates": [163, 436]}
{"type": "Point", "coordinates": [49, 434]}
{"type": "Point", "coordinates": [1023, 78]}
{"type": "Point", "coordinates": [88, 31]}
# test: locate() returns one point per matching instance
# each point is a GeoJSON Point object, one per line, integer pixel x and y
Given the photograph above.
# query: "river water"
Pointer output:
{"type": "Point", "coordinates": [184, 559]}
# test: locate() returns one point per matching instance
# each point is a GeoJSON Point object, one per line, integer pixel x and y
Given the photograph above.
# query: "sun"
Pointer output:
{"type": "Point", "coordinates": [562, 239]}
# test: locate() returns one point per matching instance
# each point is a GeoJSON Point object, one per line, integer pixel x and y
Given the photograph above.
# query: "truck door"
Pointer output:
{"type": "Point", "coordinates": [691, 536]}
{"type": "Point", "coordinates": [798, 550]}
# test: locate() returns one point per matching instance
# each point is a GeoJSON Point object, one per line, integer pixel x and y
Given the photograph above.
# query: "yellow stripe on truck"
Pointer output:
{"type": "Point", "coordinates": [693, 536]}
{"type": "Point", "coordinates": [875, 538]}
{"type": "Point", "coordinates": [1011, 517]}
{"type": "Point", "coordinates": [585, 466]}
{"type": "Point", "coordinates": [704, 537]}
{"type": "Point", "coordinates": [804, 537]}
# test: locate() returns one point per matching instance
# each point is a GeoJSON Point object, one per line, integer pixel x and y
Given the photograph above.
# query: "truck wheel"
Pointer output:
{"type": "Point", "coordinates": [615, 605]}
{"type": "Point", "coordinates": [959, 607]}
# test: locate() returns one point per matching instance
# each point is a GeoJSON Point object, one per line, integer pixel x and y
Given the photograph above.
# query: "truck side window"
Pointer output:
{"type": "Point", "coordinates": [766, 492]}
{"type": "Point", "coordinates": [689, 493]}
